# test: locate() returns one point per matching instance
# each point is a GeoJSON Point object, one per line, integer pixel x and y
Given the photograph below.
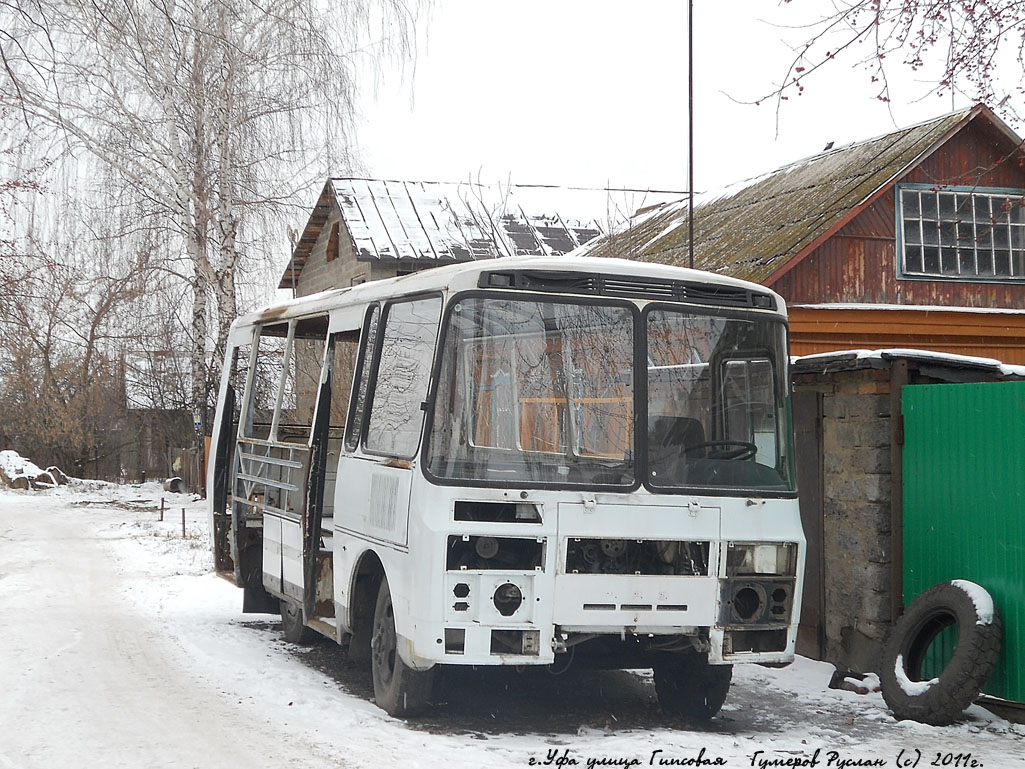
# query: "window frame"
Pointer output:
{"type": "Point", "coordinates": [445, 339]}
{"type": "Point", "coordinates": [782, 390]}
{"type": "Point", "coordinates": [1015, 267]}
{"type": "Point", "coordinates": [356, 418]}
{"type": "Point", "coordinates": [375, 370]}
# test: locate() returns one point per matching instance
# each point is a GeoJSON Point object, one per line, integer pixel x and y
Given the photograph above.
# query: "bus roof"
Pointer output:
{"type": "Point", "coordinates": [629, 279]}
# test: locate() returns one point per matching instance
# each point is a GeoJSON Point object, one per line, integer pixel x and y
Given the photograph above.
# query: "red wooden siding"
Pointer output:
{"type": "Point", "coordinates": [859, 264]}
{"type": "Point", "coordinates": [974, 157]}
{"type": "Point", "coordinates": [990, 335]}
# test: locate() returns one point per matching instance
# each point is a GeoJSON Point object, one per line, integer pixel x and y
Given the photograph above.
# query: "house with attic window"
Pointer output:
{"type": "Point", "coordinates": [915, 239]}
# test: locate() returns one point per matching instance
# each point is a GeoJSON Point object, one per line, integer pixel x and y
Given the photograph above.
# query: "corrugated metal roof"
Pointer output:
{"type": "Point", "coordinates": [754, 229]}
{"type": "Point", "coordinates": [445, 222]}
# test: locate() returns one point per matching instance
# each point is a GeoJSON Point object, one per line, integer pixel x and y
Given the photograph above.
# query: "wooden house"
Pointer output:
{"type": "Point", "coordinates": [368, 229]}
{"type": "Point", "coordinates": [915, 239]}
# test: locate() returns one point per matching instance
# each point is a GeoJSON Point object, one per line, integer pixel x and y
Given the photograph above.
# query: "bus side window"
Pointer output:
{"type": "Point", "coordinates": [344, 352]}
{"type": "Point", "coordinates": [265, 376]}
{"type": "Point", "coordinates": [354, 421]}
{"type": "Point", "coordinates": [404, 371]}
{"type": "Point", "coordinates": [750, 408]}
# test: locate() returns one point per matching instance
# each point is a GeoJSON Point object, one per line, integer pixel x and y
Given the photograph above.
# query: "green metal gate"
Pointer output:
{"type": "Point", "coordinates": [964, 505]}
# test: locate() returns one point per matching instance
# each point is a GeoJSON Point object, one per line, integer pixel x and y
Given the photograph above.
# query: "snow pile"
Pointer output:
{"type": "Point", "coordinates": [12, 464]}
{"type": "Point", "coordinates": [20, 473]}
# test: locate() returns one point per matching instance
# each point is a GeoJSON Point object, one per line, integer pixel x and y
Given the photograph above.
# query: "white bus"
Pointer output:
{"type": "Point", "coordinates": [524, 461]}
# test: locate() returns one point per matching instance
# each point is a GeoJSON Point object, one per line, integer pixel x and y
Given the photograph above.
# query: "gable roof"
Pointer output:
{"type": "Point", "coordinates": [444, 222]}
{"type": "Point", "coordinates": [760, 228]}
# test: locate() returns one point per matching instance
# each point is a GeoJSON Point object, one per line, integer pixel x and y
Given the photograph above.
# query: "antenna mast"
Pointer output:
{"type": "Point", "coordinates": [690, 132]}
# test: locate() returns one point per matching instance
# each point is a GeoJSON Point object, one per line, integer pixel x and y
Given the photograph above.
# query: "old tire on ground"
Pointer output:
{"type": "Point", "coordinates": [398, 689]}
{"type": "Point", "coordinates": [292, 623]}
{"type": "Point", "coordinates": [968, 609]}
{"type": "Point", "coordinates": [687, 685]}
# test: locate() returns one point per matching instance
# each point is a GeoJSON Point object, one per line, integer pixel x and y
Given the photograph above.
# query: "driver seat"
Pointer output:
{"type": "Point", "coordinates": [668, 436]}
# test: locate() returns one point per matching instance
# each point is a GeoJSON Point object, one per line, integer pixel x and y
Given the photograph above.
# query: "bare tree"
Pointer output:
{"type": "Point", "coordinates": [972, 47]}
{"type": "Point", "coordinates": [61, 390]}
{"type": "Point", "coordinates": [212, 115]}
{"type": "Point", "coordinates": [20, 184]}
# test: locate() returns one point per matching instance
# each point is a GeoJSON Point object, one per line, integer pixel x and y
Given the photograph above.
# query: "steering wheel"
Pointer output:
{"type": "Point", "coordinates": [725, 449]}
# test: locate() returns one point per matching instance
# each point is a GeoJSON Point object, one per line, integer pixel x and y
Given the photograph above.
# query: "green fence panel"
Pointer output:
{"type": "Point", "coordinates": [964, 505]}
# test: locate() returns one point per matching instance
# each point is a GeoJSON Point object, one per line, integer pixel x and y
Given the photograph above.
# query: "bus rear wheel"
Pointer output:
{"type": "Point", "coordinates": [688, 686]}
{"type": "Point", "coordinates": [292, 623]}
{"type": "Point", "coordinates": [398, 689]}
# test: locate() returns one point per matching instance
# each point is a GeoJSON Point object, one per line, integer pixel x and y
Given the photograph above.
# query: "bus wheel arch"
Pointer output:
{"type": "Point", "coordinates": [399, 690]}
{"type": "Point", "coordinates": [366, 581]}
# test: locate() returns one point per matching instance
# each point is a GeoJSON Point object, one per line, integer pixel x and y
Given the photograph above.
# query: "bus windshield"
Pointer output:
{"type": "Point", "coordinates": [542, 392]}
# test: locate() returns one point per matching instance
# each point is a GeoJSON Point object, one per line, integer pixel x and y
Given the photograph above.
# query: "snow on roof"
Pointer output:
{"type": "Point", "coordinates": [903, 353]}
{"type": "Point", "coordinates": [911, 307]}
{"type": "Point", "coordinates": [444, 222]}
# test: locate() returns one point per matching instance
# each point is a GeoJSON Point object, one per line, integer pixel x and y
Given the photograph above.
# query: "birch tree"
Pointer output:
{"type": "Point", "coordinates": [211, 114]}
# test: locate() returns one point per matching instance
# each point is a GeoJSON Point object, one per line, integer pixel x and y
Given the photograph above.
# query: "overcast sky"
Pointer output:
{"type": "Point", "coordinates": [594, 93]}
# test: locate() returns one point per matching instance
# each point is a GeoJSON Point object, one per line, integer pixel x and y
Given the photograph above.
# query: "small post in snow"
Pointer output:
{"type": "Point", "coordinates": [183, 523]}
{"type": "Point", "coordinates": [161, 509]}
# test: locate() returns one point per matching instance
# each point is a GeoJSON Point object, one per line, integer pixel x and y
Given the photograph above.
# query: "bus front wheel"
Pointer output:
{"type": "Point", "coordinates": [398, 689]}
{"type": "Point", "coordinates": [688, 686]}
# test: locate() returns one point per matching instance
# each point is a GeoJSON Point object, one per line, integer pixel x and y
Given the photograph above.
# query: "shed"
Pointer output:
{"type": "Point", "coordinates": [855, 446]}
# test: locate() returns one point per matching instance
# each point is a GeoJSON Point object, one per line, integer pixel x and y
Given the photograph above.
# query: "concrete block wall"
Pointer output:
{"type": "Point", "coordinates": [320, 274]}
{"type": "Point", "coordinates": [856, 485]}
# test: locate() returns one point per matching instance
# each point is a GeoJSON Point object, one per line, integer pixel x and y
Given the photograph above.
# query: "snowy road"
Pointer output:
{"type": "Point", "coordinates": [120, 649]}
{"type": "Point", "coordinates": [89, 679]}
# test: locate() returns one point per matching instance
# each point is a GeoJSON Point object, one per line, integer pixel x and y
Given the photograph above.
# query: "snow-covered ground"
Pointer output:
{"type": "Point", "coordinates": [119, 648]}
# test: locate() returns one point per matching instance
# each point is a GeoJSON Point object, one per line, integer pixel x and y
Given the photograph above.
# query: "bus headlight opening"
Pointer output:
{"type": "Point", "coordinates": [507, 599]}
{"type": "Point", "coordinates": [747, 602]}
{"type": "Point", "coordinates": [771, 559]}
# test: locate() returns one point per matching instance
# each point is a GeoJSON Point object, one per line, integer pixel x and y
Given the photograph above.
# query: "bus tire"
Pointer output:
{"type": "Point", "coordinates": [398, 689]}
{"type": "Point", "coordinates": [688, 686]}
{"type": "Point", "coordinates": [943, 699]}
{"type": "Point", "coordinates": [292, 623]}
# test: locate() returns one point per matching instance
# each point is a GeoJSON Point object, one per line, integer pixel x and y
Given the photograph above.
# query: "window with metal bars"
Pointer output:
{"type": "Point", "coordinates": [962, 233]}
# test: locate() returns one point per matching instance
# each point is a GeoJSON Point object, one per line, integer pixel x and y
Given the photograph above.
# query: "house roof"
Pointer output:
{"type": "Point", "coordinates": [760, 228]}
{"type": "Point", "coordinates": [445, 222]}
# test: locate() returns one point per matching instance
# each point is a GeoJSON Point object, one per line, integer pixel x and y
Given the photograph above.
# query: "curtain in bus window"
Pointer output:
{"type": "Point", "coordinates": [403, 373]}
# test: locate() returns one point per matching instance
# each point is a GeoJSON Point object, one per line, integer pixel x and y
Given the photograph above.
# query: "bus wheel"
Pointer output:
{"type": "Point", "coordinates": [292, 623]}
{"type": "Point", "coordinates": [398, 689]}
{"type": "Point", "coordinates": [687, 685]}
